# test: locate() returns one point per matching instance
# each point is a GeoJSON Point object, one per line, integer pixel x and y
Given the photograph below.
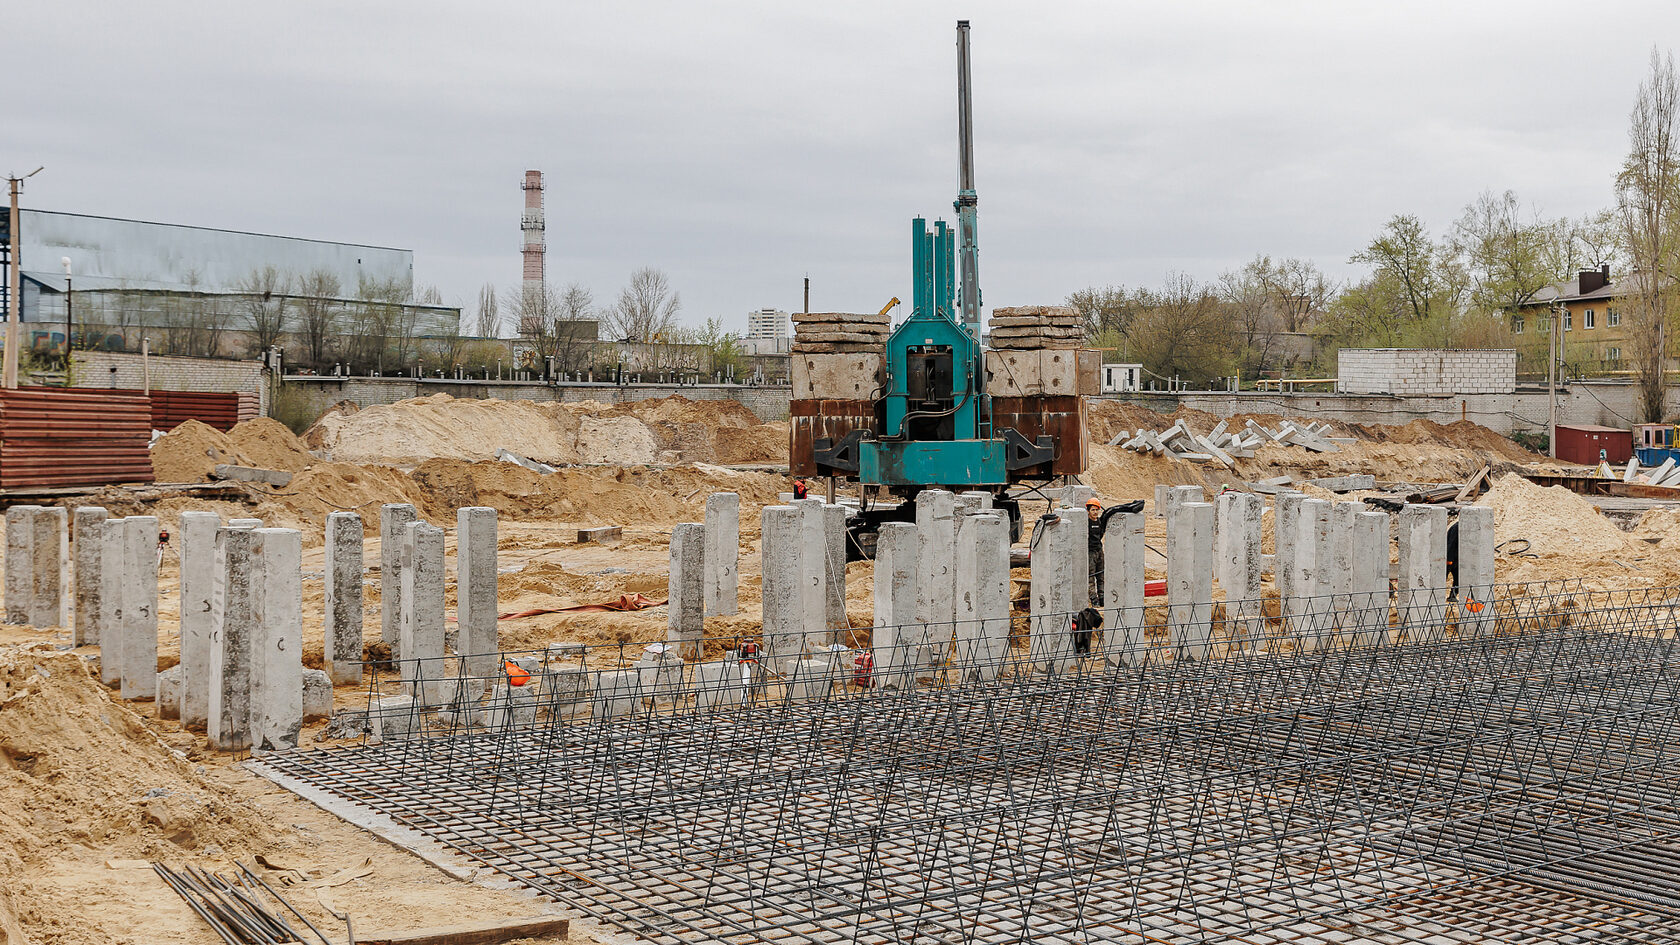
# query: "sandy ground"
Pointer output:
{"type": "Point", "coordinates": [77, 765]}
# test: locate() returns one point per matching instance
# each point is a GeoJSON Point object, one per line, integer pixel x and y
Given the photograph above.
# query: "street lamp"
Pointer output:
{"type": "Point", "coordinates": [69, 326]}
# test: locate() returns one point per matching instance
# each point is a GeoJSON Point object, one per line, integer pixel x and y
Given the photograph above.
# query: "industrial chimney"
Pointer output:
{"type": "Point", "coordinates": [534, 229]}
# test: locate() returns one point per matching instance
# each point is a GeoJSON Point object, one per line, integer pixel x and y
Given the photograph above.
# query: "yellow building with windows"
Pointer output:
{"type": "Point", "coordinates": [1596, 336]}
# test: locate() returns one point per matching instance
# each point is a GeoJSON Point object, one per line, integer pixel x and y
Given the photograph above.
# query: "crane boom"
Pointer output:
{"type": "Point", "coordinates": [967, 201]}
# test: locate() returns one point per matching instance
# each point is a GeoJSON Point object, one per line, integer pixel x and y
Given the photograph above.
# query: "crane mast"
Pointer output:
{"type": "Point", "coordinates": [967, 201]}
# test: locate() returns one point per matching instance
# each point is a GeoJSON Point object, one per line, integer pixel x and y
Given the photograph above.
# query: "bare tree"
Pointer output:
{"type": "Point", "coordinates": [560, 325]}
{"type": "Point", "coordinates": [489, 322]}
{"type": "Point", "coordinates": [1183, 333]}
{"type": "Point", "coordinates": [1649, 206]}
{"type": "Point", "coordinates": [263, 305]}
{"type": "Point", "coordinates": [1104, 309]}
{"type": "Point", "coordinates": [646, 309]}
{"type": "Point", "coordinates": [318, 311]}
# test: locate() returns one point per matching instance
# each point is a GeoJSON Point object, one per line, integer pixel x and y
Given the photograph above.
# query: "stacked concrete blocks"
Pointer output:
{"type": "Point", "coordinates": [478, 639]}
{"type": "Point", "coordinates": [343, 615]}
{"type": "Point", "coordinates": [277, 638]}
{"type": "Point", "coordinates": [198, 618]}
{"type": "Point", "coordinates": [394, 518]}
{"type": "Point", "coordinates": [897, 638]}
{"type": "Point", "coordinates": [1123, 610]}
{"type": "Point", "coordinates": [88, 529]}
{"type": "Point", "coordinates": [1190, 580]}
{"type": "Point", "coordinates": [1056, 542]}
{"type": "Point", "coordinates": [723, 553]}
{"type": "Point", "coordinates": [982, 594]}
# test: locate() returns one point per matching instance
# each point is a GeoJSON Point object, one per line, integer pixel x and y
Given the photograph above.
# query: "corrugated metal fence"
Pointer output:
{"type": "Point", "coordinates": [171, 408]}
{"type": "Point", "coordinates": [54, 436]}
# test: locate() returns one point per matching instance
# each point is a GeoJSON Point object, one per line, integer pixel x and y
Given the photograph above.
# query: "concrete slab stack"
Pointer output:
{"type": "Point", "coordinates": [198, 619]}
{"type": "Point", "coordinates": [1123, 578]}
{"type": "Point", "coordinates": [723, 554]}
{"type": "Point", "coordinates": [478, 640]}
{"type": "Point", "coordinates": [423, 613]}
{"type": "Point", "coordinates": [394, 518]}
{"type": "Point", "coordinates": [230, 667]}
{"type": "Point", "coordinates": [782, 583]}
{"type": "Point", "coordinates": [343, 614]}
{"type": "Point", "coordinates": [686, 589]}
{"type": "Point", "coordinates": [1476, 554]}
{"type": "Point", "coordinates": [277, 638]}
{"type": "Point", "coordinates": [1237, 520]}
{"type": "Point", "coordinates": [88, 531]}
{"type": "Point", "coordinates": [896, 639]}
{"type": "Point", "coordinates": [1055, 542]}
{"type": "Point", "coordinates": [982, 594]}
{"type": "Point", "coordinates": [139, 611]}
{"type": "Point", "coordinates": [1190, 580]}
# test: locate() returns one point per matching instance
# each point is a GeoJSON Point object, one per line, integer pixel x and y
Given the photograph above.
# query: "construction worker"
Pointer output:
{"type": "Point", "coordinates": [799, 489]}
{"type": "Point", "coordinates": [1094, 541]}
{"type": "Point", "coordinates": [1085, 623]}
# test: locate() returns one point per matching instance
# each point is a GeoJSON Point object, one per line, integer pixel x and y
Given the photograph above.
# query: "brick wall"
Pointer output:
{"type": "Point", "coordinates": [126, 371]}
{"type": "Point", "coordinates": [1426, 372]}
{"type": "Point", "coordinates": [766, 403]}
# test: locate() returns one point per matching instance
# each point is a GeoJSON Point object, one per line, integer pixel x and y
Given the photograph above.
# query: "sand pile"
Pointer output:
{"type": "Point", "coordinates": [189, 452]}
{"type": "Point", "coordinates": [81, 778]}
{"type": "Point", "coordinates": [1460, 434]}
{"type": "Point", "coordinates": [1554, 520]}
{"type": "Point", "coordinates": [593, 496]}
{"type": "Point", "coordinates": [668, 430]}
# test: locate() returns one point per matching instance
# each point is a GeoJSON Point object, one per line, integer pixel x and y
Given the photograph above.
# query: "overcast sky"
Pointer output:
{"type": "Point", "coordinates": [742, 146]}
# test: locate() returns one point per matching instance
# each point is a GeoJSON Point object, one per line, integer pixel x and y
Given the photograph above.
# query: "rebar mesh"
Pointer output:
{"type": "Point", "coordinates": [1511, 779]}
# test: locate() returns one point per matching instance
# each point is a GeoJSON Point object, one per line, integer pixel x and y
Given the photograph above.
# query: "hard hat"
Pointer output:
{"type": "Point", "coordinates": [1093, 501]}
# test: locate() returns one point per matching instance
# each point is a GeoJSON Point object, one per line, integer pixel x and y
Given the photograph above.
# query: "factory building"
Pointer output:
{"type": "Point", "coordinates": [767, 332]}
{"type": "Point", "coordinates": [204, 291]}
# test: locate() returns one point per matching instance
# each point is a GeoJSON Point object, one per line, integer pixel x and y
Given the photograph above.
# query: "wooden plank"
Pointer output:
{"type": "Point", "coordinates": [1473, 486]}
{"type": "Point", "coordinates": [488, 933]}
{"type": "Point", "coordinates": [586, 535]}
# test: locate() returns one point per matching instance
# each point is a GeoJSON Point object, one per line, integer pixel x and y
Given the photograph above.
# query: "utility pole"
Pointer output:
{"type": "Point", "coordinates": [14, 292]}
{"type": "Point", "coordinates": [1551, 384]}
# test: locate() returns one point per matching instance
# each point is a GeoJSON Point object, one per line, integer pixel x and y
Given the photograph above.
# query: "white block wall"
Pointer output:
{"type": "Point", "coordinates": [1426, 371]}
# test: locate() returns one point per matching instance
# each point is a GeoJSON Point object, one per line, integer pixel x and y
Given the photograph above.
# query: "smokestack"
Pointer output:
{"type": "Point", "coordinates": [534, 229]}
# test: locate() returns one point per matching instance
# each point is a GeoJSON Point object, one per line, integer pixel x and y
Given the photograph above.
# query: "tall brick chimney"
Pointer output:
{"type": "Point", "coordinates": [532, 225]}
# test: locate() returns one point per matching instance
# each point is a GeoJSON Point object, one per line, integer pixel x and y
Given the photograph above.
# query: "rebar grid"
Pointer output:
{"type": "Point", "coordinates": [1515, 783]}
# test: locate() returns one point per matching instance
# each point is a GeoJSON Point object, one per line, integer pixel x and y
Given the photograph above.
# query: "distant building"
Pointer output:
{"type": "Point", "coordinates": [1596, 337]}
{"type": "Point", "coordinates": [133, 278]}
{"type": "Point", "coordinates": [767, 332]}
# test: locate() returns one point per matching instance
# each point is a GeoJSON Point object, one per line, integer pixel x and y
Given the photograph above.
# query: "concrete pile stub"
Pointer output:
{"type": "Point", "coordinates": [394, 518]}
{"type": "Point", "coordinates": [1423, 571]}
{"type": "Point", "coordinates": [140, 597]}
{"type": "Point", "coordinates": [968, 503]}
{"type": "Point", "coordinates": [169, 693]}
{"type": "Point", "coordinates": [1238, 530]}
{"type": "Point", "coordinates": [1370, 577]}
{"type": "Point", "coordinates": [686, 589]}
{"type": "Point", "coordinates": [782, 583]}
{"type": "Point", "coordinates": [277, 638]}
{"type": "Point", "coordinates": [1306, 607]}
{"type": "Point", "coordinates": [1081, 573]}
{"type": "Point", "coordinates": [936, 586]}
{"type": "Point", "coordinates": [1123, 613]}
{"type": "Point", "coordinates": [1286, 522]}
{"type": "Point", "coordinates": [343, 614]}
{"type": "Point", "coordinates": [1190, 579]}
{"type": "Point", "coordinates": [982, 594]}
{"type": "Point", "coordinates": [723, 554]}
{"type": "Point", "coordinates": [1340, 572]}
{"type": "Point", "coordinates": [230, 666]}
{"type": "Point", "coordinates": [897, 638]}
{"type": "Point", "coordinates": [88, 547]}
{"type": "Point", "coordinates": [808, 679]}
{"type": "Point", "coordinates": [1055, 541]}
{"type": "Point", "coordinates": [111, 537]}
{"type": "Point", "coordinates": [812, 562]}
{"type": "Point", "coordinates": [422, 614]}
{"type": "Point", "coordinates": [198, 619]}
{"type": "Point", "coordinates": [317, 695]}
{"type": "Point", "coordinates": [661, 667]}
{"type": "Point", "coordinates": [20, 557]}
{"type": "Point", "coordinates": [478, 639]}
{"type": "Point", "coordinates": [1476, 555]}
{"type": "Point", "coordinates": [50, 568]}
{"type": "Point", "coordinates": [617, 694]}
{"type": "Point", "coordinates": [719, 685]}
{"type": "Point", "coordinates": [834, 569]}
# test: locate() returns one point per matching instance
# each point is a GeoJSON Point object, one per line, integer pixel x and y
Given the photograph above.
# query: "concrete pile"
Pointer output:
{"type": "Point", "coordinates": [839, 332]}
{"type": "Point", "coordinates": [1032, 327]}
{"type": "Point", "coordinates": [1222, 446]}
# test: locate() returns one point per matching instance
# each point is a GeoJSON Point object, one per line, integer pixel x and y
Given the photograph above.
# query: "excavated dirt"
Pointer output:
{"type": "Point", "coordinates": [192, 450]}
{"type": "Point", "coordinates": [1554, 520]}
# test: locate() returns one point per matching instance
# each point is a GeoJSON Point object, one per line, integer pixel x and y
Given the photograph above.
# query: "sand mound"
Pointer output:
{"type": "Point", "coordinates": [80, 772]}
{"type": "Point", "coordinates": [1554, 520]}
{"type": "Point", "coordinates": [671, 429]}
{"type": "Point", "coordinates": [1460, 434]}
{"type": "Point", "coordinates": [192, 450]}
{"type": "Point", "coordinates": [339, 487]}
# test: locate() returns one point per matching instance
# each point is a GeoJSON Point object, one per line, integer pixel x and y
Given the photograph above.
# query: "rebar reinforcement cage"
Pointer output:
{"type": "Point", "coordinates": [1502, 772]}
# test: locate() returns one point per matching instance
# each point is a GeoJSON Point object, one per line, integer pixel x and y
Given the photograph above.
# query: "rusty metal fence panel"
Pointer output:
{"type": "Point", "coordinates": [52, 436]}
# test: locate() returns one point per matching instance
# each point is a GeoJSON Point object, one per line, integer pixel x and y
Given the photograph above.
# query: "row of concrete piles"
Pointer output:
{"type": "Point", "coordinates": [241, 677]}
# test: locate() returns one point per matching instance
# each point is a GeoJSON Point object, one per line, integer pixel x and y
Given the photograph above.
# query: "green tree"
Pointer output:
{"type": "Point", "coordinates": [1648, 204]}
